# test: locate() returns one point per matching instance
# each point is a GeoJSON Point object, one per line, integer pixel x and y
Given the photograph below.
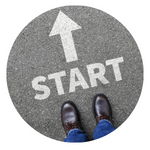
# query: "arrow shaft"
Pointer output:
{"type": "Point", "coordinates": [68, 46]}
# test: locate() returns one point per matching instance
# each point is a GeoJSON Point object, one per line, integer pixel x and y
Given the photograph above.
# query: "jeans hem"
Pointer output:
{"type": "Point", "coordinates": [75, 129]}
{"type": "Point", "coordinates": [106, 121]}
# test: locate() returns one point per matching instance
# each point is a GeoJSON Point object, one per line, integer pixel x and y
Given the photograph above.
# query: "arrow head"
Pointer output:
{"type": "Point", "coordinates": [63, 24]}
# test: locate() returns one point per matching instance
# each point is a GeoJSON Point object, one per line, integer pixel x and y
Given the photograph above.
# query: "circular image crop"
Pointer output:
{"type": "Point", "coordinates": [73, 53]}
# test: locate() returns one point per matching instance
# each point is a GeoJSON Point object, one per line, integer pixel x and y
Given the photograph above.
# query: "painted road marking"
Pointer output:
{"type": "Point", "coordinates": [76, 78]}
{"type": "Point", "coordinates": [115, 64]}
{"type": "Point", "coordinates": [63, 26]}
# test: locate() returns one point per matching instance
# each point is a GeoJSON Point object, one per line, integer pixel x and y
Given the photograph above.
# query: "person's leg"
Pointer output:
{"type": "Point", "coordinates": [103, 114]}
{"type": "Point", "coordinates": [103, 128]}
{"type": "Point", "coordinates": [71, 123]}
{"type": "Point", "coordinates": [76, 135]}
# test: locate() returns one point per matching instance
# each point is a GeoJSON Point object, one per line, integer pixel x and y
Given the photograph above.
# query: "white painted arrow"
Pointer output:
{"type": "Point", "coordinates": [63, 26]}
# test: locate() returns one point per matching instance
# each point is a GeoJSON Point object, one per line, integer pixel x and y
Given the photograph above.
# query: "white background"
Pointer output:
{"type": "Point", "coordinates": [16, 134]}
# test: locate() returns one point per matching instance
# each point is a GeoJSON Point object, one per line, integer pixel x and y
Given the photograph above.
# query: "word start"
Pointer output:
{"type": "Point", "coordinates": [76, 78]}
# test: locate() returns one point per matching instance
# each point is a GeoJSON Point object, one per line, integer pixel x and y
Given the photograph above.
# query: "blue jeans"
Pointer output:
{"type": "Point", "coordinates": [103, 128]}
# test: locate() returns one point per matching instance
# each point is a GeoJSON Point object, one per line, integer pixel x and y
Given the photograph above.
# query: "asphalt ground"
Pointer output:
{"type": "Point", "coordinates": [36, 54]}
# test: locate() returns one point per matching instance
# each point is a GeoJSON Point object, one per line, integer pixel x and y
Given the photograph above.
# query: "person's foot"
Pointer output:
{"type": "Point", "coordinates": [101, 108]}
{"type": "Point", "coordinates": [70, 116]}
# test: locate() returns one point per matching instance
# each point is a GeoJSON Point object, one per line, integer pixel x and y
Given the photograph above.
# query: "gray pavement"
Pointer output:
{"type": "Point", "coordinates": [73, 53]}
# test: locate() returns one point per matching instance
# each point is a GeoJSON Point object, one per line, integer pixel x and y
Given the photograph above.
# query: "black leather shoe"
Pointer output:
{"type": "Point", "coordinates": [101, 108]}
{"type": "Point", "coordinates": [70, 116]}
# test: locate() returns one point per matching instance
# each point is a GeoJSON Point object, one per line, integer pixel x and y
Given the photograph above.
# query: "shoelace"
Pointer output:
{"type": "Point", "coordinates": [70, 126]}
{"type": "Point", "coordinates": [103, 117]}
